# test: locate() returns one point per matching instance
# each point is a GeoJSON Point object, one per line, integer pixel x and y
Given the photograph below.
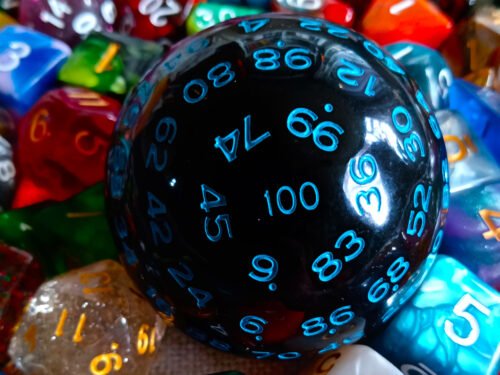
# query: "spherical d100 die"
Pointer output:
{"type": "Point", "coordinates": [276, 184]}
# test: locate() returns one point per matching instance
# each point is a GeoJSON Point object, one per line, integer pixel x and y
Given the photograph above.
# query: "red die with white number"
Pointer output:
{"type": "Point", "coordinates": [152, 19]}
{"type": "Point", "coordinates": [68, 20]}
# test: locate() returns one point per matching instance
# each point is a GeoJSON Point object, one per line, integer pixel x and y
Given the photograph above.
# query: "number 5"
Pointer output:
{"type": "Point", "coordinates": [459, 310]}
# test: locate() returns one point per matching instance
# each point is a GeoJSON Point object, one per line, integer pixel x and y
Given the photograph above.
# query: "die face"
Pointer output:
{"type": "Point", "coordinates": [310, 7]}
{"type": "Point", "coordinates": [68, 20]}
{"type": "Point", "coordinates": [205, 15]}
{"type": "Point", "coordinates": [7, 125]}
{"type": "Point", "coordinates": [62, 235]}
{"type": "Point", "coordinates": [109, 62]}
{"type": "Point", "coordinates": [449, 326]}
{"type": "Point", "coordinates": [5, 19]}
{"type": "Point", "coordinates": [352, 360]}
{"type": "Point", "coordinates": [470, 163]}
{"type": "Point", "coordinates": [484, 39]}
{"type": "Point", "coordinates": [9, 5]}
{"type": "Point", "coordinates": [67, 134]}
{"type": "Point", "coordinates": [481, 109]}
{"type": "Point", "coordinates": [472, 232]}
{"type": "Point", "coordinates": [152, 20]}
{"type": "Point", "coordinates": [93, 319]}
{"type": "Point", "coordinates": [20, 276]}
{"type": "Point", "coordinates": [7, 175]}
{"type": "Point", "coordinates": [258, 187]}
{"type": "Point", "coordinates": [417, 21]}
{"type": "Point", "coordinates": [428, 68]}
{"type": "Point", "coordinates": [29, 65]}
{"type": "Point", "coordinates": [339, 12]}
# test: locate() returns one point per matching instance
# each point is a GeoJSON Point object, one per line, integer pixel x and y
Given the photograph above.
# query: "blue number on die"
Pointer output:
{"type": "Point", "coordinates": [166, 130]}
{"type": "Point", "coordinates": [159, 233]}
{"type": "Point", "coordinates": [201, 296]}
{"type": "Point", "coordinates": [326, 266]}
{"type": "Point", "coordinates": [180, 276]}
{"type": "Point", "coordinates": [380, 55]}
{"type": "Point", "coordinates": [417, 219]}
{"type": "Point", "coordinates": [361, 176]}
{"type": "Point", "coordinates": [295, 59]}
{"type": "Point", "coordinates": [373, 49]}
{"type": "Point", "coordinates": [354, 241]}
{"type": "Point", "coordinates": [268, 272]}
{"type": "Point", "coordinates": [234, 137]}
{"type": "Point", "coordinates": [299, 116]}
{"type": "Point", "coordinates": [331, 29]}
{"type": "Point", "coordinates": [312, 25]}
{"type": "Point", "coordinates": [421, 100]}
{"type": "Point", "coordinates": [367, 196]}
{"type": "Point", "coordinates": [293, 206]}
{"type": "Point", "coordinates": [251, 26]}
{"type": "Point", "coordinates": [253, 325]}
{"type": "Point", "coordinates": [220, 75]}
{"type": "Point", "coordinates": [339, 317]}
{"type": "Point", "coordinates": [314, 326]}
{"type": "Point", "coordinates": [380, 288]}
{"type": "Point", "coordinates": [298, 59]}
{"type": "Point", "coordinates": [413, 143]}
{"type": "Point", "coordinates": [282, 356]}
{"type": "Point", "coordinates": [219, 221]}
{"type": "Point", "coordinates": [218, 201]}
{"type": "Point", "coordinates": [401, 126]}
{"type": "Point", "coordinates": [267, 59]}
{"type": "Point", "coordinates": [435, 126]}
{"type": "Point", "coordinates": [350, 73]}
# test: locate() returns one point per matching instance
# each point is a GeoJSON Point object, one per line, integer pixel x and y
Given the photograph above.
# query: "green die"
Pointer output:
{"type": "Point", "coordinates": [62, 235]}
{"type": "Point", "coordinates": [109, 62]}
{"type": "Point", "coordinates": [205, 15]}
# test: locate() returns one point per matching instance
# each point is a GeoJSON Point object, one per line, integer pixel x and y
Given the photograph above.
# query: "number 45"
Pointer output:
{"type": "Point", "coordinates": [460, 310]}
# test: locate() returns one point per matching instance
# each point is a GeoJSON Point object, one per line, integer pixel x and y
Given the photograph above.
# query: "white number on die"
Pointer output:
{"type": "Point", "coordinates": [460, 310]}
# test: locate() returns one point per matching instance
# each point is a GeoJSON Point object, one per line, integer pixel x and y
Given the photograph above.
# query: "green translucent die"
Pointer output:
{"type": "Point", "coordinates": [62, 235]}
{"type": "Point", "coordinates": [206, 15]}
{"type": "Point", "coordinates": [109, 62]}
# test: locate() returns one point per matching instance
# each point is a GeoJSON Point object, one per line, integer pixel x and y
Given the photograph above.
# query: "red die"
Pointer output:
{"type": "Point", "coordinates": [152, 19]}
{"type": "Point", "coordinates": [339, 12]}
{"type": "Point", "coordinates": [63, 142]}
{"type": "Point", "coordinates": [419, 21]}
{"type": "Point", "coordinates": [20, 276]}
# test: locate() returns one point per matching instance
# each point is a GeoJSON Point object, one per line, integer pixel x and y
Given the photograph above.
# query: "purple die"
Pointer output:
{"type": "Point", "coordinates": [68, 20]}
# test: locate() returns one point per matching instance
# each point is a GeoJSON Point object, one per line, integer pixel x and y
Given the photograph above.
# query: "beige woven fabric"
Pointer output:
{"type": "Point", "coordinates": [181, 355]}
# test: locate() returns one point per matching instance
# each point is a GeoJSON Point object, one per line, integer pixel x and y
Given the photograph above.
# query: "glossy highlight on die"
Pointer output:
{"type": "Point", "coordinates": [274, 194]}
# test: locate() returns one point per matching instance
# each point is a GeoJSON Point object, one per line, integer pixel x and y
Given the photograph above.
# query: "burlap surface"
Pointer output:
{"type": "Point", "coordinates": [181, 355]}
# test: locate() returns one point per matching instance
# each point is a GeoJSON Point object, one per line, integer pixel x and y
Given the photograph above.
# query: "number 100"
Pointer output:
{"type": "Point", "coordinates": [292, 206]}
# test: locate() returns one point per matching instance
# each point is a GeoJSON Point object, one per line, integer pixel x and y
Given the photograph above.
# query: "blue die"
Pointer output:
{"type": "Point", "coordinates": [450, 326]}
{"type": "Point", "coordinates": [481, 109]}
{"type": "Point", "coordinates": [428, 68]}
{"type": "Point", "coordinates": [29, 63]}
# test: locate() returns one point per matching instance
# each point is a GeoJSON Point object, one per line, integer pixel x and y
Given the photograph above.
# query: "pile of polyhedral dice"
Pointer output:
{"type": "Point", "coordinates": [315, 185]}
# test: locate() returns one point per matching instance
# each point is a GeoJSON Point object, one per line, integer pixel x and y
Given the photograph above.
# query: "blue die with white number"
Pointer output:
{"type": "Point", "coordinates": [451, 326]}
{"type": "Point", "coordinates": [29, 63]}
{"type": "Point", "coordinates": [277, 184]}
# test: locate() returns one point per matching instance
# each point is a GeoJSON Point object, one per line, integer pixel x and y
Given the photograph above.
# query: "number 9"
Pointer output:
{"type": "Point", "coordinates": [269, 272]}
